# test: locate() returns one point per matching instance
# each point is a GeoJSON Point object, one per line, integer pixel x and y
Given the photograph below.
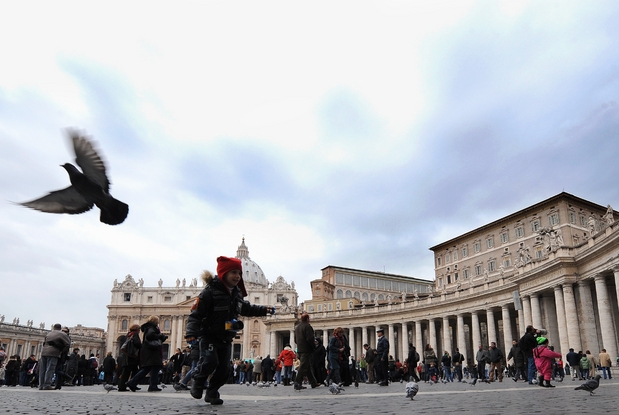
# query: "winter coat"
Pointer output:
{"type": "Point", "coordinates": [382, 349]}
{"type": "Point", "coordinates": [215, 306]}
{"type": "Point", "coordinates": [495, 355]}
{"type": "Point", "coordinates": [605, 360]}
{"type": "Point", "coordinates": [446, 360]}
{"type": "Point", "coordinates": [413, 357]}
{"type": "Point", "coordinates": [304, 337]}
{"type": "Point", "coordinates": [287, 356]}
{"type": "Point", "coordinates": [527, 343]}
{"type": "Point", "coordinates": [257, 365]}
{"type": "Point", "coordinates": [544, 358]}
{"type": "Point", "coordinates": [109, 364]}
{"type": "Point", "coordinates": [481, 356]}
{"type": "Point", "coordinates": [429, 357]}
{"type": "Point", "coordinates": [56, 342]}
{"type": "Point", "coordinates": [132, 360]}
{"type": "Point", "coordinates": [517, 354]}
{"type": "Point", "coordinates": [148, 355]}
{"type": "Point", "coordinates": [584, 362]}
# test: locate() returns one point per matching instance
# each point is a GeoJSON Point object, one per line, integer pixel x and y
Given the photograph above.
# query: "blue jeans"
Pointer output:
{"type": "Point", "coordinates": [242, 377]}
{"type": "Point", "coordinates": [449, 377]}
{"type": "Point", "coordinates": [187, 377]}
{"type": "Point", "coordinates": [604, 370]}
{"type": "Point", "coordinates": [531, 362]}
{"type": "Point", "coordinates": [287, 372]}
{"type": "Point", "coordinates": [47, 367]}
{"type": "Point", "coordinates": [278, 376]}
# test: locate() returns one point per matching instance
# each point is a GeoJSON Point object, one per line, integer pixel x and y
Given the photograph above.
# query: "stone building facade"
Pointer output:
{"type": "Point", "coordinates": [132, 303]}
{"type": "Point", "coordinates": [26, 340]}
{"type": "Point", "coordinates": [554, 265]}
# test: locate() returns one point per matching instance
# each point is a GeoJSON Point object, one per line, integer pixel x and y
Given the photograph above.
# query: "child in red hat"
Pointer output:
{"type": "Point", "coordinates": [213, 324]}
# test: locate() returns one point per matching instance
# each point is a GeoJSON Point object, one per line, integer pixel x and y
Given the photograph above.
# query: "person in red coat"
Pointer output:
{"type": "Point", "coordinates": [544, 357]}
{"type": "Point", "coordinates": [287, 357]}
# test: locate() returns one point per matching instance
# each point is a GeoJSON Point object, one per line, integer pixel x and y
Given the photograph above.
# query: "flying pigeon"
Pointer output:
{"type": "Point", "coordinates": [590, 385]}
{"type": "Point", "coordinates": [411, 390]}
{"type": "Point", "coordinates": [335, 389]}
{"type": "Point", "coordinates": [88, 187]}
{"type": "Point", "coordinates": [109, 388]}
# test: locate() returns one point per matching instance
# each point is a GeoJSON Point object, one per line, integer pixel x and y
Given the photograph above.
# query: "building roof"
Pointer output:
{"type": "Point", "coordinates": [519, 214]}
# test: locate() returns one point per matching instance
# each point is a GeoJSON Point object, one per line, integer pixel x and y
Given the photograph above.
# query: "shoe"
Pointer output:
{"type": "Point", "coordinates": [48, 388]}
{"type": "Point", "coordinates": [133, 388]}
{"type": "Point", "coordinates": [317, 385]}
{"type": "Point", "coordinates": [298, 387]}
{"type": "Point", "coordinates": [154, 390]}
{"type": "Point", "coordinates": [197, 389]}
{"type": "Point", "coordinates": [213, 398]}
{"type": "Point", "coordinates": [548, 385]}
{"type": "Point", "coordinates": [383, 384]}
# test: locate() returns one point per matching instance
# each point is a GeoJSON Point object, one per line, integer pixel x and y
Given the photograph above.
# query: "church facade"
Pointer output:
{"type": "Point", "coordinates": [132, 303]}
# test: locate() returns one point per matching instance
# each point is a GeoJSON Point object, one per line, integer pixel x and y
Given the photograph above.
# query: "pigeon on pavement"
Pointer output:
{"type": "Point", "coordinates": [88, 187]}
{"type": "Point", "coordinates": [411, 390]}
{"type": "Point", "coordinates": [590, 385]}
{"type": "Point", "coordinates": [109, 388]}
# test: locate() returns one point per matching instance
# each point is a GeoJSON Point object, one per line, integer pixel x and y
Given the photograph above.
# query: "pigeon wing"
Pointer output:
{"type": "Point", "coordinates": [89, 160]}
{"type": "Point", "coordinates": [61, 201]}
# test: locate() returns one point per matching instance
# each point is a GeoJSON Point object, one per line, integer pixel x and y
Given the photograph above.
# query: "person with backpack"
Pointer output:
{"type": "Point", "coordinates": [413, 361]}
{"type": "Point", "coordinates": [129, 357]}
{"type": "Point", "coordinates": [370, 357]}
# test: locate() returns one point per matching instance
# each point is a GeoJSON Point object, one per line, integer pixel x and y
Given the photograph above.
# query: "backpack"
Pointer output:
{"type": "Point", "coordinates": [93, 363]}
{"type": "Point", "coordinates": [129, 348]}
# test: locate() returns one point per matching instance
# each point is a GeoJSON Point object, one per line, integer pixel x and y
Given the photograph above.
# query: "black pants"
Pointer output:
{"type": "Point", "coordinates": [215, 361]}
{"type": "Point", "coordinates": [305, 369]}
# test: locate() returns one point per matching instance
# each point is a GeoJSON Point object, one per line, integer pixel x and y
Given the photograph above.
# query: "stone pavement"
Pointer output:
{"type": "Point", "coordinates": [496, 398]}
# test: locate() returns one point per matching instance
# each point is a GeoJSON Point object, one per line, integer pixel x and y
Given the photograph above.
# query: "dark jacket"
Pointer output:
{"type": "Point", "coordinates": [382, 349]}
{"type": "Point", "coordinates": [527, 343]}
{"type": "Point", "coordinates": [214, 307]}
{"type": "Point", "coordinates": [446, 360]}
{"type": "Point", "coordinates": [109, 364]}
{"type": "Point", "coordinates": [370, 355]}
{"type": "Point", "coordinates": [518, 355]}
{"type": "Point", "coordinates": [573, 359]}
{"type": "Point", "coordinates": [56, 342]}
{"type": "Point", "coordinates": [151, 356]}
{"type": "Point", "coordinates": [304, 337]}
{"type": "Point", "coordinates": [413, 357]}
{"type": "Point", "coordinates": [133, 358]}
{"type": "Point", "coordinates": [495, 355]}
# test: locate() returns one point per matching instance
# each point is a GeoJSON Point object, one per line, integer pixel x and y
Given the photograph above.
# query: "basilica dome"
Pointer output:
{"type": "Point", "coordinates": [252, 273]}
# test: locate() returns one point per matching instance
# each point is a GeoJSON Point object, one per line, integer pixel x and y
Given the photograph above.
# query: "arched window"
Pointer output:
{"type": "Point", "coordinates": [364, 297]}
{"type": "Point", "coordinates": [124, 325]}
{"type": "Point", "coordinates": [348, 294]}
{"type": "Point", "coordinates": [340, 294]}
{"type": "Point", "coordinates": [357, 295]}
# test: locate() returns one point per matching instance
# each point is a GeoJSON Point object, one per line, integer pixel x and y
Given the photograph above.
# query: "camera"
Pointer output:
{"type": "Point", "coordinates": [542, 332]}
{"type": "Point", "coordinates": [234, 324]}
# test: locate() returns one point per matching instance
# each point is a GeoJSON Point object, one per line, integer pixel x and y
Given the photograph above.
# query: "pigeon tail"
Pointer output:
{"type": "Point", "coordinates": [113, 212]}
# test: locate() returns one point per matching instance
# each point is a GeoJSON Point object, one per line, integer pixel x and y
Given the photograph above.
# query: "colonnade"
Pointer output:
{"type": "Point", "coordinates": [577, 314]}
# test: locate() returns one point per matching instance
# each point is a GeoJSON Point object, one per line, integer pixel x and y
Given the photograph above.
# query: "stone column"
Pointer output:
{"type": "Point", "coordinates": [507, 330]}
{"type": "Point", "coordinates": [476, 334]}
{"type": "Point", "coordinates": [364, 336]}
{"type": "Point", "coordinates": [446, 338]}
{"type": "Point", "coordinates": [491, 326]}
{"type": "Point", "coordinates": [292, 342]}
{"type": "Point", "coordinates": [526, 310]}
{"type": "Point", "coordinates": [418, 337]}
{"type": "Point", "coordinates": [392, 348]}
{"type": "Point", "coordinates": [560, 305]}
{"type": "Point", "coordinates": [586, 317]}
{"type": "Point", "coordinates": [352, 342]}
{"type": "Point", "coordinates": [521, 324]}
{"type": "Point", "coordinates": [273, 345]}
{"type": "Point", "coordinates": [536, 313]}
{"type": "Point", "coordinates": [181, 335]}
{"type": "Point", "coordinates": [461, 341]}
{"type": "Point", "coordinates": [432, 332]}
{"type": "Point", "coordinates": [571, 318]}
{"type": "Point", "coordinates": [404, 342]}
{"type": "Point", "coordinates": [606, 318]}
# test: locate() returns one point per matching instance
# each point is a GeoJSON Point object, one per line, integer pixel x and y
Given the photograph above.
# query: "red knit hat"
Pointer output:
{"type": "Point", "coordinates": [225, 264]}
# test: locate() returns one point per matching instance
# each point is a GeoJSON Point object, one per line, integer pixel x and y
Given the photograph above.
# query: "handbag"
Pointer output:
{"type": "Point", "coordinates": [154, 344]}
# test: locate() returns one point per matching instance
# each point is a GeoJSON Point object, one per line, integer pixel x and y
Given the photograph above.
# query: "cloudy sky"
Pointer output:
{"type": "Point", "coordinates": [356, 134]}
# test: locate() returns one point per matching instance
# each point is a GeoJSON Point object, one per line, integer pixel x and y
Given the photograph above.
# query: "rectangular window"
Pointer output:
{"type": "Point", "coordinates": [395, 286]}
{"type": "Point", "coordinates": [149, 299]}
{"type": "Point", "coordinates": [319, 307]}
{"type": "Point", "coordinates": [447, 259]}
{"type": "Point", "coordinates": [491, 265]}
{"type": "Point", "coordinates": [504, 237]}
{"type": "Point", "coordinates": [539, 254]}
{"type": "Point", "coordinates": [553, 219]}
{"type": "Point", "coordinates": [465, 252]}
{"type": "Point", "coordinates": [478, 270]}
{"type": "Point", "coordinates": [438, 261]}
{"type": "Point", "coordinates": [583, 221]}
{"type": "Point", "coordinates": [381, 284]}
{"type": "Point", "coordinates": [364, 281]}
{"type": "Point", "coordinates": [535, 225]}
{"type": "Point", "coordinates": [465, 273]}
{"type": "Point", "coordinates": [455, 255]}
{"type": "Point", "coordinates": [507, 262]}
{"type": "Point", "coordinates": [572, 218]}
{"type": "Point", "coordinates": [477, 247]}
{"type": "Point", "coordinates": [330, 307]}
{"type": "Point", "coordinates": [339, 278]}
{"type": "Point", "coordinates": [356, 281]}
{"type": "Point", "coordinates": [127, 296]}
{"type": "Point", "coordinates": [167, 298]}
{"type": "Point", "coordinates": [456, 276]}
{"type": "Point", "coordinates": [519, 232]}
{"type": "Point", "coordinates": [388, 285]}
{"type": "Point", "coordinates": [347, 279]}
{"type": "Point", "coordinates": [372, 282]}
{"type": "Point", "coordinates": [490, 243]}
